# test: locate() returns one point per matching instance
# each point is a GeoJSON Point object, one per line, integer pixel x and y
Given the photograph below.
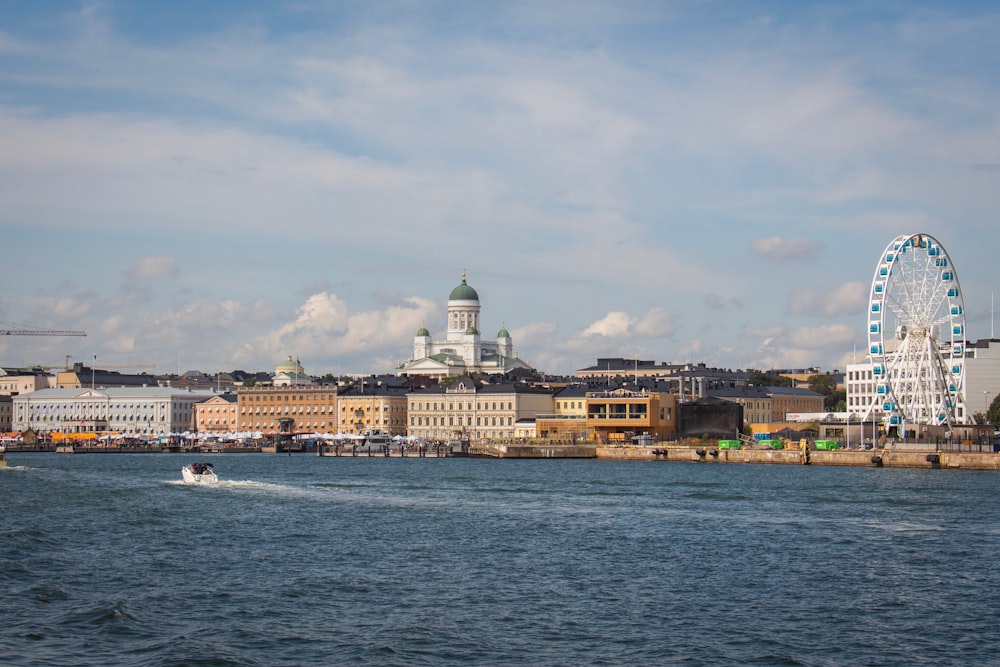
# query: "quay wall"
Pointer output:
{"type": "Point", "coordinates": [920, 457]}
{"type": "Point", "coordinates": [888, 458]}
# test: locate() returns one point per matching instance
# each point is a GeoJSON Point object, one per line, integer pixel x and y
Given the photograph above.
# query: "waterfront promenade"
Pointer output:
{"type": "Point", "coordinates": [913, 455]}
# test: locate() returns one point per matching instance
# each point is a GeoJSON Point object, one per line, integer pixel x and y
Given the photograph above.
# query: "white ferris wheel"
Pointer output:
{"type": "Point", "coordinates": [916, 334]}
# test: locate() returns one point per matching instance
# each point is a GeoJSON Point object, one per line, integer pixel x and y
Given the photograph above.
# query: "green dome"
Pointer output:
{"type": "Point", "coordinates": [463, 292]}
{"type": "Point", "coordinates": [503, 333]}
{"type": "Point", "coordinates": [472, 330]}
{"type": "Point", "coordinates": [422, 331]}
{"type": "Point", "coordinates": [290, 367]}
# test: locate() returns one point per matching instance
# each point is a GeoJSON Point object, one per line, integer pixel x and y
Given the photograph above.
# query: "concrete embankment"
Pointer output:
{"type": "Point", "coordinates": [925, 457]}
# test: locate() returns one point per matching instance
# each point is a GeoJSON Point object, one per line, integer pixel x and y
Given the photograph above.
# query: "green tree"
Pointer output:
{"type": "Point", "coordinates": [993, 414]}
{"type": "Point", "coordinates": [250, 382]}
{"type": "Point", "coordinates": [834, 399]}
{"type": "Point", "coordinates": [763, 379]}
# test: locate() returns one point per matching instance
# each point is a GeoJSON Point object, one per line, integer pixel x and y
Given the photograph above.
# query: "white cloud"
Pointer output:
{"type": "Point", "coordinates": [325, 329]}
{"type": "Point", "coordinates": [151, 268]}
{"type": "Point", "coordinates": [848, 299]}
{"type": "Point", "coordinates": [782, 249]}
{"type": "Point", "coordinates": [655, 323]}
{"type": "Point", "coordinates": [613, 325]}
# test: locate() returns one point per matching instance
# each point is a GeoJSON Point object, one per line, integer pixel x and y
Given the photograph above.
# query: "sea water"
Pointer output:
{"type": "Point", "coordinates": [108, 559]}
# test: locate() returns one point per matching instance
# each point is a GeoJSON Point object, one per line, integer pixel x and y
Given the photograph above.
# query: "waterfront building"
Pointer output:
{"type": "Point", "coordinates": [287, 409]}
{"type": "Point", "coordinates": [218, 414]}
{"type": "Point", "coordinates": [982, 375]}
{"type": "Point", "coordinates": [568, 421]}
{"type": "Point", "coordinates": [710, 417]}
{"type": "Point", "coordinates": [6, 413]}
{"type": "Point", "coordinates": [618, 415]}
{"type": "Point", "coordinates": [371, 405]}
{"type": "Point", "coordinates": [291, 403]}
{"type": "Point", "coordinates": [463, 351]}
{"type": "Point", "coordinates": [130, 411]}
{"type": "Point", "coordinates": [470, 410]}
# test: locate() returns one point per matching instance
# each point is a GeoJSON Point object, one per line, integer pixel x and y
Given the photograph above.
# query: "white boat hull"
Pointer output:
{"type": "Point", "coordinates": [191, 477]}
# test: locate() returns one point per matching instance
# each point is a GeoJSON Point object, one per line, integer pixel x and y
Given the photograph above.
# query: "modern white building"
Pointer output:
{"type": "Point", "coordinates": [463, 351]}
{"type": "Point", "coordinates": [125, 410]}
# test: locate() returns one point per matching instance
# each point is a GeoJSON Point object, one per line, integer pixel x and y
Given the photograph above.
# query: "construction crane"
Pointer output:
{"type": "Point", "coordinates": [66, 365]}
{"type": "Point", "coordinates": [35, 331]}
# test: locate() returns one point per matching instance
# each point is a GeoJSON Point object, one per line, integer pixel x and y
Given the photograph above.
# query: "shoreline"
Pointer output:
{"type": "Point", "coordinates": [915, 455]}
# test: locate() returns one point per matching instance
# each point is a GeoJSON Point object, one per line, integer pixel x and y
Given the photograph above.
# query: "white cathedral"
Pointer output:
{"type": "Point", "coordinates": [463, 351]}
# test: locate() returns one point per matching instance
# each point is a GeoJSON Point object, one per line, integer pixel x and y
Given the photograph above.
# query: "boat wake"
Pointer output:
{"type": "Point", "coordinates": [241, 485]}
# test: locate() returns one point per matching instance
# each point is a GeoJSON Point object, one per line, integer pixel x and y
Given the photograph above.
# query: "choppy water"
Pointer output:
{"type": "Point", "coordinates": [109, 560]}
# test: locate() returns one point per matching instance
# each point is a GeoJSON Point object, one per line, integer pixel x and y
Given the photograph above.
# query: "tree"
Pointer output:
{"type": "Point", "coordinates": [834, 399]}
{"type": "Point", "coordinates": [993, 414]}
{"type": "Point", "coordinates": [823, 384]}
{"type": "Point", "coordinates": [762, 379]}
{"type": "Point", "coordinates": [250, 382]}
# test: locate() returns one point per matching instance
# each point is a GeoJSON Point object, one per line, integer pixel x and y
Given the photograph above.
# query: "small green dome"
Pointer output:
{"type": "Point", "coordinates": [463, 292]}
{"type": "Point", "coordinates": [422, 331]}
{"type": "Point", "coordinates": [503, 333]}
{"type": "Point", "coordinates": [472, 330]}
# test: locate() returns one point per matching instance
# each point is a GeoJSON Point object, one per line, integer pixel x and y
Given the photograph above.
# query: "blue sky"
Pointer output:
{"type": "Point", "coordinates": [218, 185]}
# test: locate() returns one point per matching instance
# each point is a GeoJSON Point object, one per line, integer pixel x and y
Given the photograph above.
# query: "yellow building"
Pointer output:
{"type": "Point", "coordinates": [363, 409]}
{"type": "Point", "coordinates": [569, 419]}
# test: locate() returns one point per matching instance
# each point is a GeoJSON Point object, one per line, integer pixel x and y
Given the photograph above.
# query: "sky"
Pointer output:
{"type": "Point", "coordinates": [220, 185]}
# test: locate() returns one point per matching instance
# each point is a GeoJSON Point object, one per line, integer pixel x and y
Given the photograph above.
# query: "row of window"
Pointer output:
{"type": "Point", "coordinates": [457, 421]}
{"type": "Point", "coordinates": [419, 405]}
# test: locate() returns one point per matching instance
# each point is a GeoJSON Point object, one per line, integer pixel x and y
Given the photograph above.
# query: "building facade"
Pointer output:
{"type": "Point", "coordinates": [218, 414]}
{"type": "Point", "coordinates": [130, 411]}
{"type": "Point", "coordinates": [621, 414]}
{"type": "Point", "coordinates": [470, 410]}
{"type": "Point", "coordinates": [568, 420]}
{"type": "Point", "coordinates": [287, 409]}
{"type": "Point", "coordinates": [373, 407]}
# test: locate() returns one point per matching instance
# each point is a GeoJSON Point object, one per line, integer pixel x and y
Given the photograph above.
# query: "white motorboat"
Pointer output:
{"type": "Point", "coordinates": [199, 473]}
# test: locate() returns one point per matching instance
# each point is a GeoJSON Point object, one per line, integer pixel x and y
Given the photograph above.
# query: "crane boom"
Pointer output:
{"type": "Point", "coordinates": [41, 332]}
